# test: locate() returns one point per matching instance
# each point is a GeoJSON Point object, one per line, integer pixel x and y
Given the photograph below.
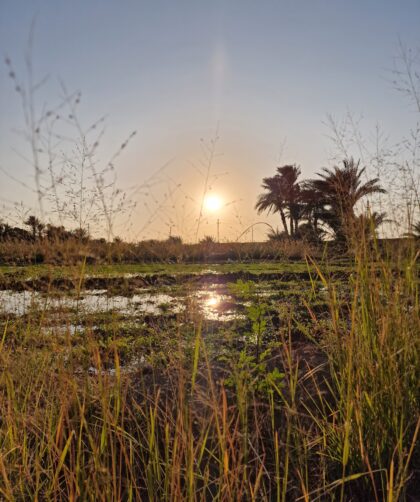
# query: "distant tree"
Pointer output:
{"type": "Point", "coordinates": [310, 232]}
{"type": "Point", "coordinates": [8, 232]}
{"type": "Point", "coordinates": [40, 229]}
{"type": "Point", "coordinates": [101, 240]}
{"type": "Point", "coordinates": [276, 235]}
{"type": "Point", "coordinates": [282, 195]}
{"type": "Point", "coordinates": [35, 224]}
{"type": "Point", "coordinates": [56, 233]}
{"type": "Point", "coordinates": [174, 239]}
{"type": "Point", "coordinates": [4, 231]}
{"type": "Point", "coordinates": [414, 231]}
{"type": "Point", "coordinates": [311, 207]}
{"type": "Point", "coordinates": [81, 234]}
{"type": "Point", "coordinates": [337, 191]}
{"type": "Point", "coordinates": [207, 239]}
{"type": "Point", "coordinates": [367, 223]}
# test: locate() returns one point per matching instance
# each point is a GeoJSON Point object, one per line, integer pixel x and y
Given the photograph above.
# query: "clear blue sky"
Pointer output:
{"type": "Point", "coordinates": [268, 71]}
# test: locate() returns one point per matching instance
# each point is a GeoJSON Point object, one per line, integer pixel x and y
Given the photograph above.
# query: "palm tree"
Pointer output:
{"type": "Point", "coordinates": [367, 223]}
{"type": "Point", "coordinates": [282, 196]}
{"type": "Point", "coordinates": [311, 205]}
{"type": "Point", "coordinates": [338, 191]}
{"type": "Point", "coordinates": [276, 235]}
{"type": "Point", "coordinates": [414, 231]}
{"type": "Point", "coordinates": [35, 224]}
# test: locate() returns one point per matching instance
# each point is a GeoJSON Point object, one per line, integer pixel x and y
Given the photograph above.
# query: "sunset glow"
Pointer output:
{"type": "Point", "coordinates": [212, 203]}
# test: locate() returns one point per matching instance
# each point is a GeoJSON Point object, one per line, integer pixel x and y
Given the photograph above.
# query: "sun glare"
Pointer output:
{"type": "Point", "coordinates": [213, 301]}
{"type": "Point", "coordinates": [213, 202]}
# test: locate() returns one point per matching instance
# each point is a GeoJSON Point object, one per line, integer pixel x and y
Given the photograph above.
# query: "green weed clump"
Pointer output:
{"type": "Point", "coordinates": [325, 408]}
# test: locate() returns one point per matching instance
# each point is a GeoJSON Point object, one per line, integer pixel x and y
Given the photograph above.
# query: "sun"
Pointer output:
{"type": "Point", "coordinates": [212, 202]}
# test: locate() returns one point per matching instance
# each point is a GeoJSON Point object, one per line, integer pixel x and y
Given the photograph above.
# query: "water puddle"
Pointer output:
{"type": "Point", "coordinates": [217, 306]}
{"type": "Point", "coordinates": [21, 302]}
{"type": "Point", "coordinates": [214, 305]}
{"type": "Point", "coordinates": [17, 302]}
{"type": "Point", "coordinates": [134, 365]}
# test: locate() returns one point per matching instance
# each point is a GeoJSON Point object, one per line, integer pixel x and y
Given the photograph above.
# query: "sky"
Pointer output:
{"type": "Point", "coordinates": [257, 80]}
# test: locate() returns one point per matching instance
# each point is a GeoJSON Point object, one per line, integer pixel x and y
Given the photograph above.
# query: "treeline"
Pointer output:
{"type": "Point", "coordinates": [39, 231]}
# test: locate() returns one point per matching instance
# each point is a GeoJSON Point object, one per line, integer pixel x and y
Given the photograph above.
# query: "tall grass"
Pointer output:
{"type": "Point", "coordinates": [342, 425]}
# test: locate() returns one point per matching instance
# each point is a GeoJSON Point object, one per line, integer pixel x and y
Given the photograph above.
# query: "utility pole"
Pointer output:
{"type": "Point", "coordinates": [409, 217]}
{"type": "Point", "coordinates": [218, 230]}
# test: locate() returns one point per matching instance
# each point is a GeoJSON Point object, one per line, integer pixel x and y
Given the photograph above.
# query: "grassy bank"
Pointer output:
{"type": "Point", "coordinates": [324, 407]}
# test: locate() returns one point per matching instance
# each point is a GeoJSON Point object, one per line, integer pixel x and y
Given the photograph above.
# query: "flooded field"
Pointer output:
{"type": "Point", "coordinates": [143, 311]}
{"type": "Point", "coordinates": [155, 292]}
{"type": "Point", "coordinates": [210, 293]}
{"type": "Point", "coordinates": [213, 304]}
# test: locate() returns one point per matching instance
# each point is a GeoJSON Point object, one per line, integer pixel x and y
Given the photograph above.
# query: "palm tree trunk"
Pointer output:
{"type": "Point", "coordinates": [283, 219]}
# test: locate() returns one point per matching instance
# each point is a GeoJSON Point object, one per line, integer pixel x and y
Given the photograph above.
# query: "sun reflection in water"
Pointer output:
{"type": "Point", "coordinates": [212, 301]}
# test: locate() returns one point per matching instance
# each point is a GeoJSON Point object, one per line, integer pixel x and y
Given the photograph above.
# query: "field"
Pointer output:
{"type": "Point", "coordinates": [291, 379]}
